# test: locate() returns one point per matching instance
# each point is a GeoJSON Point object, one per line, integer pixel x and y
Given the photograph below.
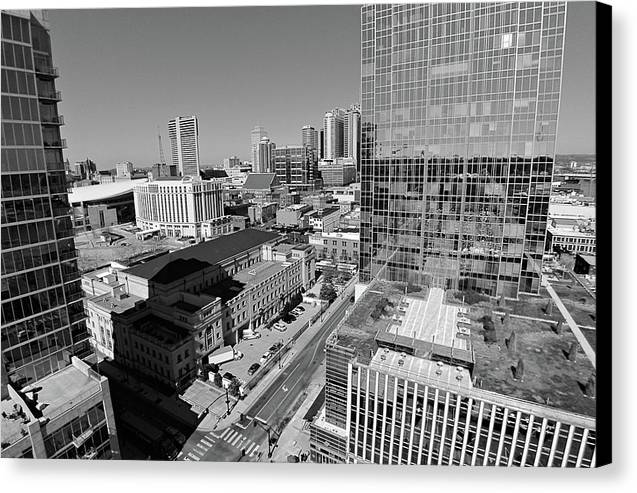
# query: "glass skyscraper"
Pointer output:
{"type": "Point", "coordinates": [43, 321]}
{"type": "Point", "coordinates": [459, 113]}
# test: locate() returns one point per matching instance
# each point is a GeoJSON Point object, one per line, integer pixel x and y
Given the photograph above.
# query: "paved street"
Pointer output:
{"type": "Point", "coordinates": [274, 405]}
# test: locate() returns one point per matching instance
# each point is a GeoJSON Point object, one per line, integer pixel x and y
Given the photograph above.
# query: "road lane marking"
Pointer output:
{"type": "Point", "coordinates": [275, 393]}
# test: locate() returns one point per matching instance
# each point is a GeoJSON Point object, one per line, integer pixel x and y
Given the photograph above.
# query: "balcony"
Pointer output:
{"type": "Point", "coordinates": [46, 71]}
{"type": "Point", "coordinates": [50, 95]}
{"type": "Point", "coordinates": [60, 144]}
{"type": "Point", "coordinates": [52, 120]}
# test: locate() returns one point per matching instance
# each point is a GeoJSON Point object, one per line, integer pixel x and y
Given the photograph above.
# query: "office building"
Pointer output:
{"type": "Point", "coordinates": [177, 207]}
{"type": "Point", "coordinates": [411, 379]}
{"type": "Point", "coordinates": [337, 172]}
{"type": "Point", "coordinates": [43, 319]}
{"type": "Point", "coordinates": [324, 220]}
{"type": "Point", "coordinates": [183, 132]}
{"type": "Point", "coordinates": [352, 134]}
{"type": "Point", "coordinates": [124, 169]}
{"type": "Point", "coordinates": [333, 133]}
{"type": "Point", "coordinates": [572, 236]}
{"type": "Point", "coordinates": [256, 135]}
{"type": "Point", "coordinates": [338, 245]}
{"type": "Point", "coordinates": [310, 138]}
{"type": "Point", "coordinates": [266, 151]}
{"type": "Point", "coordinates": [322, 144]}
{"type": "Point", "coordinates": [458, 142]}
{"type": "Point", "coordinates": [295, 165]}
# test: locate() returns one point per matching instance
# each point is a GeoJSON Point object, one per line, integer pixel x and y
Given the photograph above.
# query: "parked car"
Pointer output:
{"type": "Point", "coordinates": [178, 436]}
{"type": "Point", "coordinates": [300, 308]}
{"type": "Point", "coordinates": [279, 326]}
{"type": "Point", "coordinates": [254, 335]}
{"type": "Point", "coordinates": [253, 368]}
{"type": "Point", "coordinates": [275, 347]}
{"type": "Point", "coordinates": [265, 357]}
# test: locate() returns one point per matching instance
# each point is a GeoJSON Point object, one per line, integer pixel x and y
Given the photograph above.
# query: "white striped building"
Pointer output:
{"type": "Point", "coordinates": [183, 132]}
{"type": "Point", "coordinates": [178, 207]}
{"type": "Point", "coordinates": [408, 389]}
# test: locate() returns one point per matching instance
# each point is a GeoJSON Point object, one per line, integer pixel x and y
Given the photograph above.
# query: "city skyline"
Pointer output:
{"type": "Point", "coordinates": [224, 85]}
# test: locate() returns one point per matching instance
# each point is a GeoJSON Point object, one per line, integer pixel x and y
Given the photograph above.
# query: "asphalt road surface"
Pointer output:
{"type": "Point", "coordinates": [227, 444]}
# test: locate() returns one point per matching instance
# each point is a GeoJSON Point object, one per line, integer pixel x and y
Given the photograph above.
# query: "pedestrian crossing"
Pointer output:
{"type": "Point", "coordinates": [230, 436]}
{"type": "Point", "coordinates": [237, 440]}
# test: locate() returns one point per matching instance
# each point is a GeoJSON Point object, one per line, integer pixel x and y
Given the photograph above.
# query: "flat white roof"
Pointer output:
{"type": "Point", "coordinates": [429, 320]}
{"type": "Point", "coordinates": [103, 191]}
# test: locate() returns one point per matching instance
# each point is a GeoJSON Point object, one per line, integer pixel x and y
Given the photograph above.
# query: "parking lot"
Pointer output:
{"type": "Point", "coordinates": [253, 349]}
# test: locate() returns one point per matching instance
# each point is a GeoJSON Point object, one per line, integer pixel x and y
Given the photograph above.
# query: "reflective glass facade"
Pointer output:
{"type": "Point", "coordinates": [459, 106]}
{"type": "Point", "coordinates": [42, 313]}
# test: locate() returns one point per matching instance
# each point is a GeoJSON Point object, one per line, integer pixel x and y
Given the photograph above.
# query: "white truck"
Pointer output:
{"type": "Point", "coordinates": [223, 355]}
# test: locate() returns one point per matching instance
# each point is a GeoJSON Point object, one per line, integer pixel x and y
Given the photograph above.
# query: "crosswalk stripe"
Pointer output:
{"type": "Point", "coordinates": [193, 456]}
{"type": "Point", "coordinates": [237, 438]}
{"type": "Point", "coordinates": [187, 458]}
{"type": "Point", "coordinates": [201, 447]}
{"type": "Point", "coordinates": [249, 449]}
{"type": "Point", "coordinates": [231, 436]}
{"type": "Point", "coordinates": [197, 451]}
{"type": "Point", "coordinates": [206, 442]}
{"type": "Point", "coordinates": [226, 431]}
{"type": "Point", "coordinates": [254, 451]}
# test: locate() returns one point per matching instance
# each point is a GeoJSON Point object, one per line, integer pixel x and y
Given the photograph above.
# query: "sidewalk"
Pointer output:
{"type": "Point", "coordinates": [210, 422]}
{"type": "Point", "coordinates": [294, 438]}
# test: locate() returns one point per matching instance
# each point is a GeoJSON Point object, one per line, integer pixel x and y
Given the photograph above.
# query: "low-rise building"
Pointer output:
{"type": "Point", "coordinates": [339, 245]}
{"type": "Point", "coordinates": [66, 415]}
{"type": "Point", "coordinates": [572, 236]}
{"type": "Point", "coordinates": [351, 193]}
{"type": "Point", "coordinates": [218, 226]}
{"type": "Point", "coordinates": [292, 214]}
{"type": "Point", "coordinates": [164, 316]}
{"type": "Point", "coordinates": [326, 220]}
{"type": "Point", "coordinates": [263, 212]}
{"type": "Point", "coordinates": [261, 188]}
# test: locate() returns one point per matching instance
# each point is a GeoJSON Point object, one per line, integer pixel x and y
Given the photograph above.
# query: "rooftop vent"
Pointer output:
{"type": "Point", "coordinates": [401, 362]}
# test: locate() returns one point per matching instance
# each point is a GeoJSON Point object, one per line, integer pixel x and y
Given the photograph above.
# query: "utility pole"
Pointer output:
{"type": "Point", "coordinates": [264, 424]}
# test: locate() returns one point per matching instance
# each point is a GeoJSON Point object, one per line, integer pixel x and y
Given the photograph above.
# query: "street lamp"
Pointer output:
{"type": "Point", "coordinates": [264, 424]}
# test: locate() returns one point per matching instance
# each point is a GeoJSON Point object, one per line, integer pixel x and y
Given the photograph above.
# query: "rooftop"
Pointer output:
{"type": "Point", "coordinates": [116, 304]}
{"type": "Point", "coordinates": [260, 181]}
{"type": "Point", "coordinates": [206, 253]}
{"type": "Point", "coordinates": [259, 272]}
{"type": "Point", "coordinates": [103, 191]}
{"type": "Point", "coordinates": [427, 328]}
{"type": "Point", "coordinates": [160, 331]}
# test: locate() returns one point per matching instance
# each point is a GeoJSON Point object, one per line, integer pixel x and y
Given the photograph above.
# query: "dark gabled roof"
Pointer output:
{"type": "Point", "coordinates": [175, 265]}
{"type": "Point", "coordinates": [260, 181]}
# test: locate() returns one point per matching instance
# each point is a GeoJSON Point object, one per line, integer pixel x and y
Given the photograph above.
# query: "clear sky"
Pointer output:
{"type": "Point", "coordinates": [125, 72]}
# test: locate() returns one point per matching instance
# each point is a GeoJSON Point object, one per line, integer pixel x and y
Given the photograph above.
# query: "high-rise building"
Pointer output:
{"type": "Point", "coordinates": [43, 320]}
{"type": "Point", "coordinates": [264, 161]}
{"type": "Point", "coordinates": [295, 165]}
{"type": "Point", "coordinates": [322, 144]}
{"type": "Point", "coordinates": [352, 133]}
{"type": "Point", "coordinates": [333, 133]}
{"type": "Point", "coordinates": [183, 132]}
{"type": "Point", "coordinates": [256, 135]}
{"type": "Point", "coordinates": [310, 138]}
{"type": "Point", "coordinates": [458, 142]}
{"type": "Point", "coordinates": [337, 172]}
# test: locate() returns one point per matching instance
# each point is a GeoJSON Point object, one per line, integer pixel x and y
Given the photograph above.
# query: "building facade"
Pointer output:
{"type": "Point", "coordinates": [178, 207]}
{"type": "Point", "coordinates": [231, 162]}
{"type": "Point", "coordinates": [183, 132]}
{"type": "Point", "coordinates": [339, 246]}
{"type": "Point", "coordinates": [324, 220]}
{"type": "Point", "coordinates": [458, 142]}
{"type": "Point", "coordinates": [333, 133]}
{"type": "Point", "coordinates": [42, 315]}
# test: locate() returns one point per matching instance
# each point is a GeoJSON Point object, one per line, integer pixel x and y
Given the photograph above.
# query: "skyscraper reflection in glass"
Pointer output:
{"type": "Point", "coordinates": [460, 105]}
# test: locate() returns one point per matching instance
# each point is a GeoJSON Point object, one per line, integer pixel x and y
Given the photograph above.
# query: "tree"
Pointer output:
{"type": "Point", "coordinates": [233, 388]}
{"type": "Point", "coordinates": [328, 292]}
